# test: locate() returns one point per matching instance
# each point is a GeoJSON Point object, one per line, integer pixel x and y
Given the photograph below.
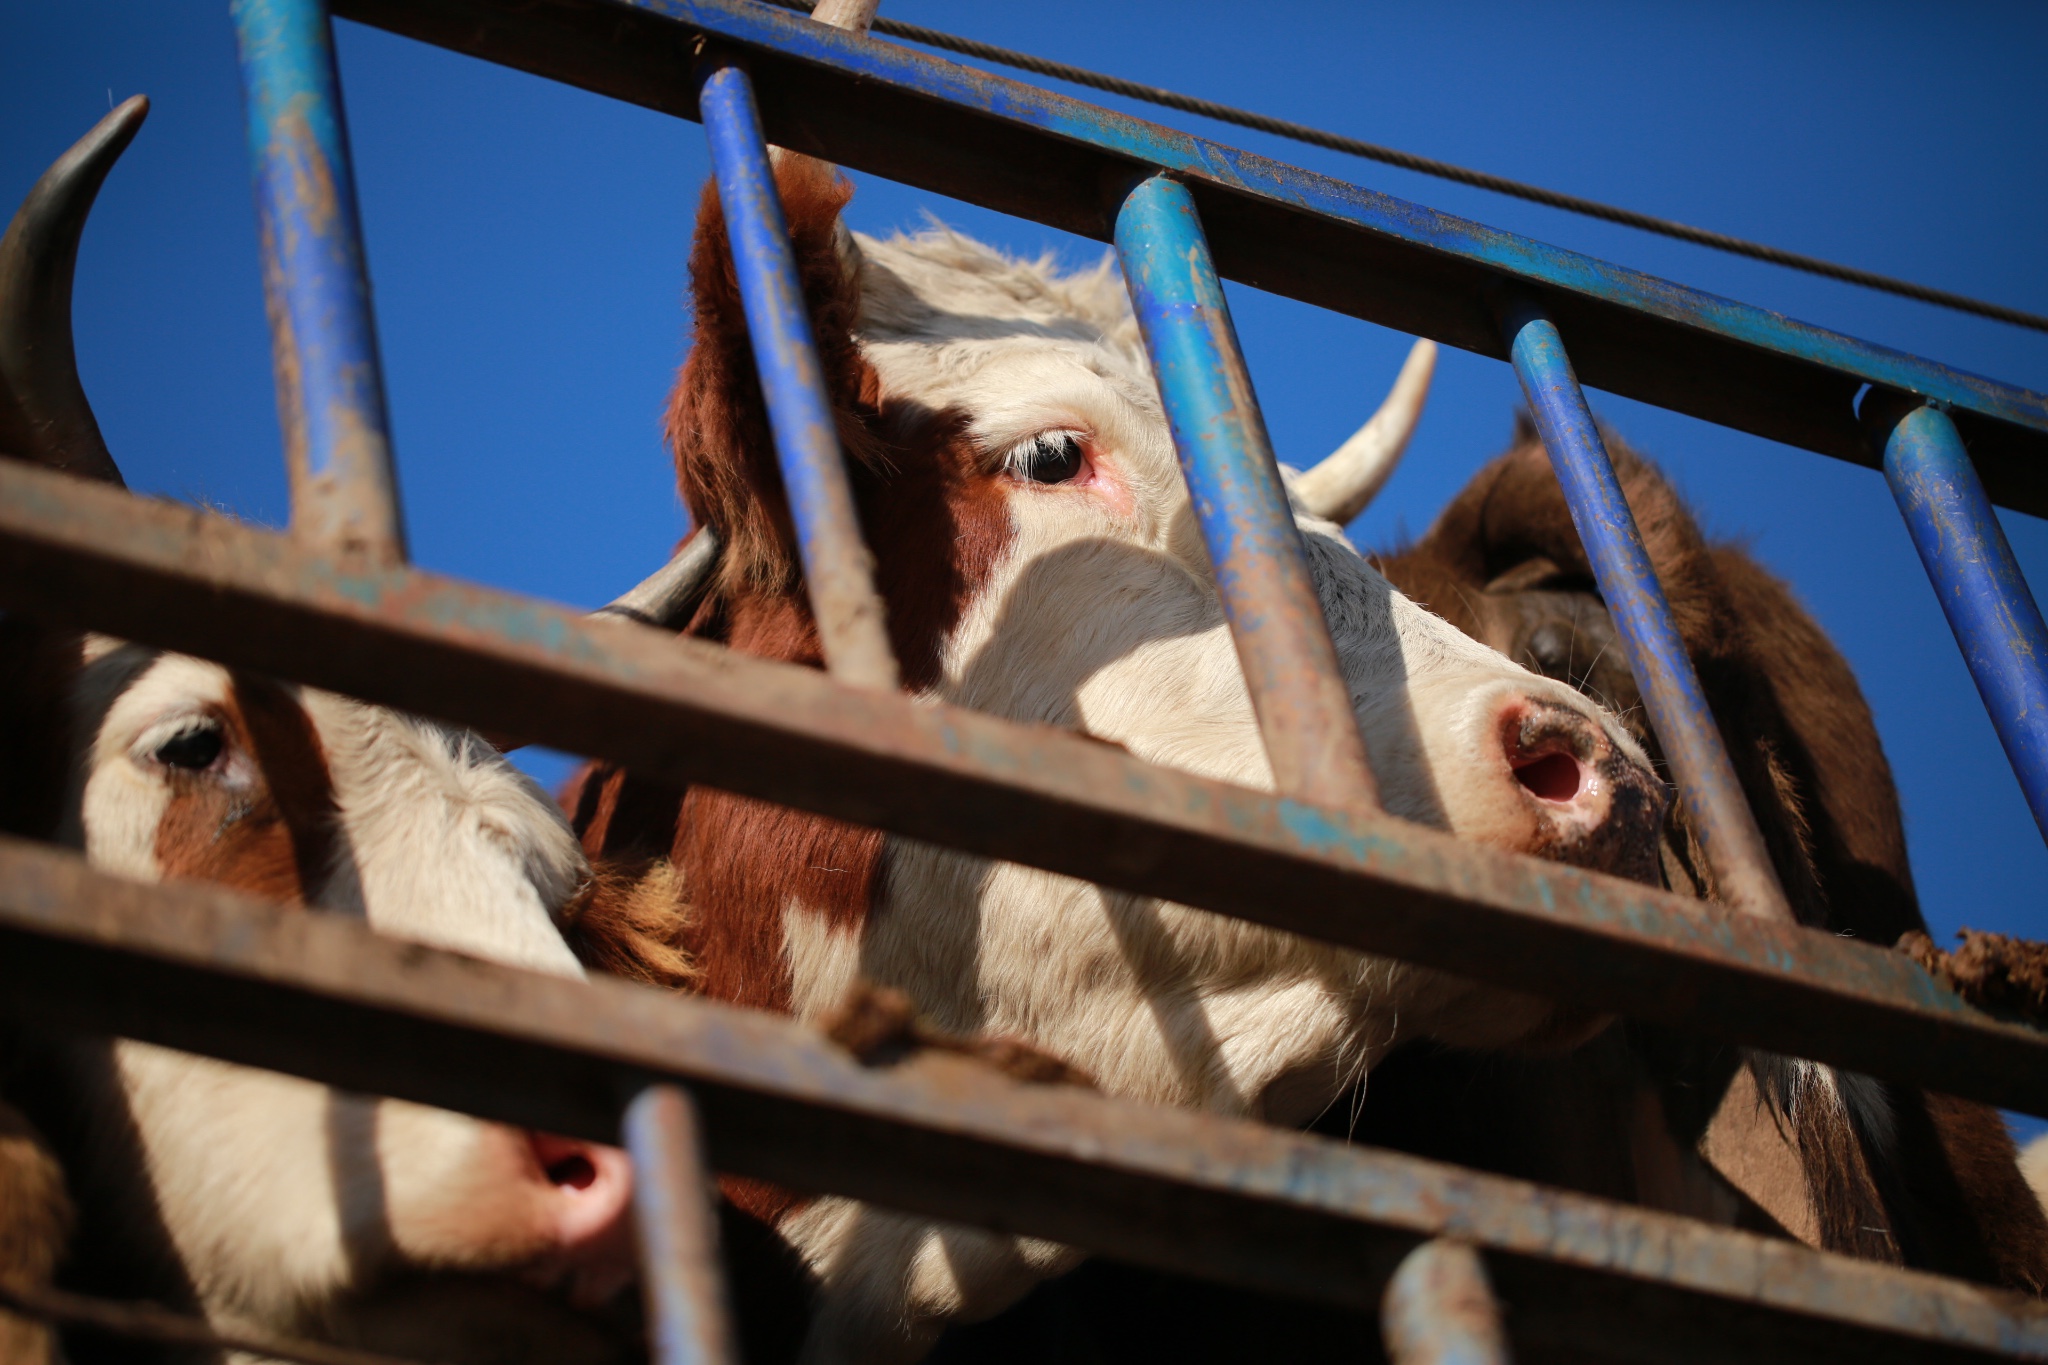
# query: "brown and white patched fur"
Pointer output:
{"type": "Point", "coordinates": [1040, 561]}
{"type": "Point", "coordinates": [262, 1199]}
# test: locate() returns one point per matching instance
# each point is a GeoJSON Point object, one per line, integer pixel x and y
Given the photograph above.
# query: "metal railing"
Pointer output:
{"type": "Point", "coordinates": [332, 603]}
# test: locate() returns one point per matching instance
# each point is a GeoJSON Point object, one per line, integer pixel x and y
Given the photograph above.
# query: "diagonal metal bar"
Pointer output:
{"type": "Point", "coordinates": [687, 711]}
{"type": "Point", "coordinates": [681, 1278]}
{"type": "Point", "coordinates": [1996, 621]}
{"type": "Point", "coordinates": [1262, 573]}
{"type": "Point", "coordinates": [838, 570]}
{"type": "Point", "coordinates": [207, 970]}
{"type": "Point", "coordinates": [1720, 814]}
{"type": "Point", "coordinates": [330, 384]}
{"type": "Point", "coordinates": [940, 126]}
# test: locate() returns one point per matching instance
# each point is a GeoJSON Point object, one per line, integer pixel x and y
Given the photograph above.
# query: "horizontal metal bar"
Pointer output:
{"type": "Point", "coordinates": [838, 570]}
{"type": "Point", "coordinates": [330, 386]}
{"type": "Point", "coordinates": [207, 970]}
{"type": "Point", "coordinates": [1262, 574]}
{"type": "Point", "coordinates": [687, 711]}
{"type": "Point", "coordinates": [928, 122]}
{"type": "Point", "coordinates": [1720, 815]}
{"type": "Point", "coordinates": [1996, 621]}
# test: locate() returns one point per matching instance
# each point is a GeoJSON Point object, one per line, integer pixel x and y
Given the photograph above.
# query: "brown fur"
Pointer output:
{"type": "Point", "coordinates": [35, 1224]}
{"type": "Point", "coordinates": [1808, 755]}
{"type": "Point", "coordinates": [880, 1025]}
{"type": "Point", "coordinates": [278, 846]}
{"type": "Point", "coordinates": [937, 519]}
{"type": "Point", "coordinates": [1992, 971]}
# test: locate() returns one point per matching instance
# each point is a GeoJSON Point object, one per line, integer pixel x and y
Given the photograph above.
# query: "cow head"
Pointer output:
{"type": "Point", "coordinates": [1039, 560]}
{"type": "Point", "coordinates": [247, 1195]}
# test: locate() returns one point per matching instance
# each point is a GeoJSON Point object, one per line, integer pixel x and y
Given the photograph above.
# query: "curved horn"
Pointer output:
{"type": "Point", "coordinates": [44, 415]}
{"type": "Point", "coordinates": [1339, 488]}
{"type": "Point", "coordinates": [669, 597]}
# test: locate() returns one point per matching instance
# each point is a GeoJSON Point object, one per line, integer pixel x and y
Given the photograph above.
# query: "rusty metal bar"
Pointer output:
{"type": "Point", "coordinates": [1262, 573]}
{"type": "Point", "coordinates": [330, 386]}
{"type": "Point", "coordinates": [937, 125]}
{"type": "Point", "coordinates": [208, 970]}
{"type": "Point", "coordinates": [1719, 813]}
{"type": "Point", "coordinates": [687, 711]}
{"type": "Point", "coordinates": [838, 570]}
{"type": "Point", "coordinates": [1439, 1309]}
{"type": "Point", "coordinates": [677, 1231]}
{"type": "Point", "coordinates": [1996, 621]}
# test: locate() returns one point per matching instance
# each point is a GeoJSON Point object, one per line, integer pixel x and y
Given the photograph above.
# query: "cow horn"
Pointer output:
{"type": "Point", "coordinates": [1339, 488]}
{"type": "Point", "coordinates": [669, 597]}
{"type": "Point", "coordinates": [44, 414]}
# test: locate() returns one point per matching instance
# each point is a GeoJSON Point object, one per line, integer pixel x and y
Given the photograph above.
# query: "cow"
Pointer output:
{"type": "Point", "coordinates": [1038, 558]}
{"type": "Point", "coordinates": [1873, 1169]}
{"type": "Point", "coordinates": [1641, 1114]}
{"type": "Point", "coordinates": [246, 1197]}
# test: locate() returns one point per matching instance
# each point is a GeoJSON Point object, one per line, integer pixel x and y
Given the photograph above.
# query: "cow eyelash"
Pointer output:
{"type": "Point", "coordinates": [1051, 457]}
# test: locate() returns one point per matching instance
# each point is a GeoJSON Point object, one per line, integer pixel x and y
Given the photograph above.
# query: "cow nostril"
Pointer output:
{"type": "Point", "coordinates": [577, 1172]}
{"type": "Point", "coordinates": [1552, 776]}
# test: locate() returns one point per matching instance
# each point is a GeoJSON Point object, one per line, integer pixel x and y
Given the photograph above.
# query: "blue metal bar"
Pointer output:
{"type": "Point", "coordinates": [330, 387]}
{"type": "Point", "coordinates": [677, 1230]}
{"type": "Point", "coordinates": [1439, 1309]}
{"type": "Point", "coordinates": [837, 567]}
{"type": "Point", "coordinates": [1990, 609]}
{"type": "Point", "coordinates": [938, 125]}
{"type": "Point", "coordinates": [1262, 573]}
{"type": "Point", "coordinates": [1720, 815]}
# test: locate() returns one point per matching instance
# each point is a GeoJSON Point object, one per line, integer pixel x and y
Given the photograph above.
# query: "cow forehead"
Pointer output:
{"type": "Point", "coordinates": [938, 285]}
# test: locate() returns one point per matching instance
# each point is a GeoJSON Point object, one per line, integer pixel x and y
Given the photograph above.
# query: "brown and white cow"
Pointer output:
{"type": "Point", "coordinates": [1039, 560]}
{"type": "Point", "coordinates": [249, 1197]}
{"type": "Point", "coordinates": [1639, 1114]}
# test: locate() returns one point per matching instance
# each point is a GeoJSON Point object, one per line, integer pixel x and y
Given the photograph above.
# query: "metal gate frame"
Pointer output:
{"type": "Point", "coordinates": [332, 603]}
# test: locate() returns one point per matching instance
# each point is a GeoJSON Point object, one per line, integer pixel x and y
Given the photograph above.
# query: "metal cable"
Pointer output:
{"type": "Point", "coordinates": [1444, 170]}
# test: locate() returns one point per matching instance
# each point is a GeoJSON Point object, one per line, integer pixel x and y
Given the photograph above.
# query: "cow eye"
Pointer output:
{"type": "Point", "coordinates": [1054, 457]}
{"type": "Point", "coordinates": [192, 749]}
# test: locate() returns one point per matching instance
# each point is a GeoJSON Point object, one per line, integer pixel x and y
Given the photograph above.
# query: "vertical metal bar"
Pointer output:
{"type": "Point", "coordinates": [330, 387]}
{"type": "Point", "coordinates": [837, 567]}
{"type": "Point", "coordinates": [1995, 619]}
{"type": "Point", "coordinates": [677, 1230]}
{"type": "Point", "coordinates": [1262, 573]}
{"type": "Point", "coordinates": [1439, 1309]}
{"type": "Point", "coordinates": [1720, 816]}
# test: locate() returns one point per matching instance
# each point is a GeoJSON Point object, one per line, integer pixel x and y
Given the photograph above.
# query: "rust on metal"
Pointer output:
{"type": "Point", "coordinates": [689, 712]}
{"type": "Point", "coordinates": [1439, 1309]}
{"type": "Point", "coordinates": [208, 970]}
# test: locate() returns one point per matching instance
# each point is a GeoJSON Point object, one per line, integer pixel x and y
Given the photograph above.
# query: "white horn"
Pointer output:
{"type": "Point", "coordinates": [670, 596]}
{"type": "Point", "coordinates": [1339, 488]}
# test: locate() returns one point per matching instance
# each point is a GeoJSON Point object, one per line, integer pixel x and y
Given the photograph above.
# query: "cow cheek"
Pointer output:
{"type": "Point", "coordinates": [459, 1193]}
{"type": "Point", "coordinates": [239, 1162]}
{"type": "Point", "coordinates": [119, 812]}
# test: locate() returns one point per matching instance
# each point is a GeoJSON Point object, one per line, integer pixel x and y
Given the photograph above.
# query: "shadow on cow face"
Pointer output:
{"type": "Point", "coordinates": [1555, 623]}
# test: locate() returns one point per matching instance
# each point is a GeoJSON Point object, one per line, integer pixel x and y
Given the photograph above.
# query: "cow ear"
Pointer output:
{"type": "Point", "coordinates": [1516, 512]}
{"type": "Point", "coordinates": [717, 426]}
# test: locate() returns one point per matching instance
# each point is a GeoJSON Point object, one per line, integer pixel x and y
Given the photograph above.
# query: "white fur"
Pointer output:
{"type": "Point", "coordinates": [279, 1195]}
{"type": "Point", "coordinates": [1102, 618]}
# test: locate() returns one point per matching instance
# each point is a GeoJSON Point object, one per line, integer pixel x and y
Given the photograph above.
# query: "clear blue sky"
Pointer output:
{"type": "Point", "coordinates": [527, 240]}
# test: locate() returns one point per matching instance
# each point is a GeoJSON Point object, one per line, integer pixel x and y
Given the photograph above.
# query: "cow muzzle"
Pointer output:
{"type": "Point", "coordinates": [1593, 803]}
